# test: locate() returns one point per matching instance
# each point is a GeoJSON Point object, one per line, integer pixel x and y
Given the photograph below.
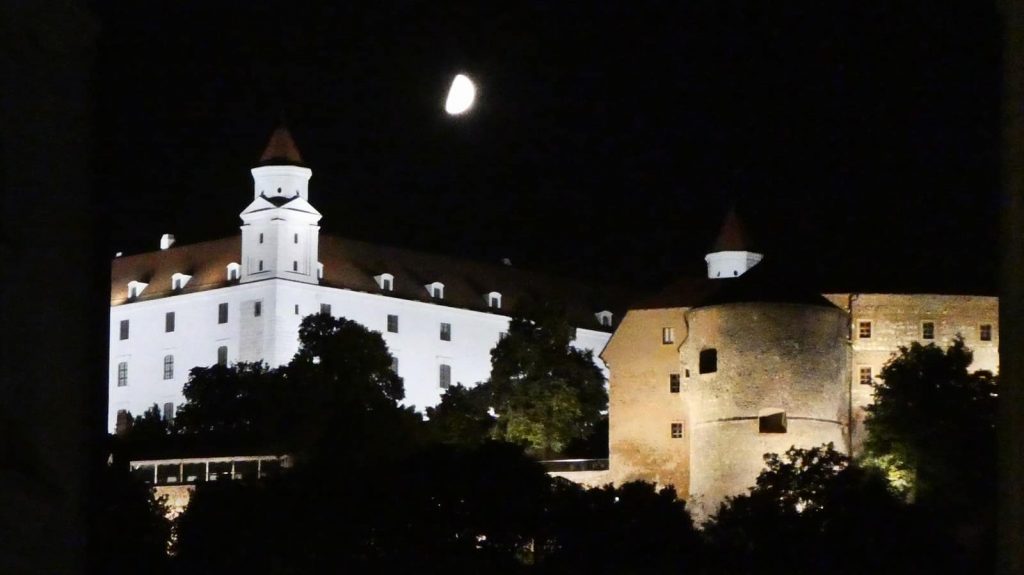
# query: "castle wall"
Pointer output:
{"type": "Point", "coordinates": [641, 407]}
{"type": "Point", "coordinates": [770, 357]}
{"type": "Point", "coordinates": [897, 320]}
{"type": "Point", "coordinates": [272, 337]}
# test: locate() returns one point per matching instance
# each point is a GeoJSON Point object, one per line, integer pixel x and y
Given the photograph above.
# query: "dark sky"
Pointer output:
{"type": "Point", "coordinates": [860, 141]}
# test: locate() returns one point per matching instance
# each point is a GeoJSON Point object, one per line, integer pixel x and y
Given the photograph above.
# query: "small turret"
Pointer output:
{"type": "Point", "coordinates": [731, 254]}
{"type": "Point", "coordinates": [280, 172]}
{"type": "Point", "coordinates": [280, 231]}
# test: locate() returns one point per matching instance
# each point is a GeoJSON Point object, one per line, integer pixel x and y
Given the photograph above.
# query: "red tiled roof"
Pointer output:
{"type": "Point", "coordinates": [281, 149]}
{"type": "Point", "coordinates": [351, 264]}
{"type": "Point", "coordinates": [732, 237]}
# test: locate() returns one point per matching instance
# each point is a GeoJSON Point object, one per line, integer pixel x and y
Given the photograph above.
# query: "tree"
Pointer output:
{"type": "Point", "coordinates": [544, 391]}
{"type": "Point", "coordinates": [633, 528]}
{"type": "Point", "coordinates": [131, 530]}
{"type": "Point", "coordinates": [933, 416]}
{"type": "Point", "coordinates": [244, 400]}
{"type": "Point", "coordinates": [462, 417]}
{"type": "Point", "coordinates": [815, 511]}
{"type": "Point", "coordinates": [934, 420]}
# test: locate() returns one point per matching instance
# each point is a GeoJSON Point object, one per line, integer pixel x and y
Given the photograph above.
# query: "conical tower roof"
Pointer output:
{"type": "Point", "coordinates": [732, 237]}
{"type": "Point", "coordinates": [281, 149]}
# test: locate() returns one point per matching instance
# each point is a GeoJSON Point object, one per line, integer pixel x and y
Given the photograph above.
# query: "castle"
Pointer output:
{"type": "Point", "coordinates": [704, 377]}
{"type": "Point", "coordinates": [712, 373]}
{"type": "Point", "coordinates": [242, 298]}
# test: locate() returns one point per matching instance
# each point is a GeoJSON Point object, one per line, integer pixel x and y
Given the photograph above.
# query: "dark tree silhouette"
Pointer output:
{"type": "Point", "coordinates": [934, 420]}
{"type": "Point", "coordinates": [462, 417]}
{"type": "Point", "coordinates": [131, 532]}
{"type": "Point", "coordinates": [813, 511]}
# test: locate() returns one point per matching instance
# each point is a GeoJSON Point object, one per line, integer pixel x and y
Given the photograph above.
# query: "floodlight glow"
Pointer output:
{"type": "Point", "coordinates": [460, 95]}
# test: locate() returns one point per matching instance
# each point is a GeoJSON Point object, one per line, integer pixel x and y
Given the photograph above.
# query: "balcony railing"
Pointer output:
{"type": "Point", "coordinates": [566, 465]}
{"type": "Point", "coordinates": [194, 470]}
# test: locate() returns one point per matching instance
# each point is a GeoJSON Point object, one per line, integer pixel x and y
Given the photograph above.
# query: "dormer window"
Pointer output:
{"type": "Point", "coordinates": [386, 282]}
{"type": "Point", "coordinates": [436, 290]}
{"type": "Point", "coordinates": [179, 281]}
{"type": "Point", "coordinates": [494, 300]}
{"type": "Point", "coordinates": [135, 289]}
{"type": "Point", "coordinates": [233, 271]}
{"type": "Point", "coordinates": [604, 318]}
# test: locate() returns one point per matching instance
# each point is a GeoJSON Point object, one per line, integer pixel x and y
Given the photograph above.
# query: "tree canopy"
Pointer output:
{"type": "Point", "coordinates": [545, 392]}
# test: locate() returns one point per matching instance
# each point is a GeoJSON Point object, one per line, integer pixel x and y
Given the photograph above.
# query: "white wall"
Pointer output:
{"type": "Point", "coordinates": [273, 337]}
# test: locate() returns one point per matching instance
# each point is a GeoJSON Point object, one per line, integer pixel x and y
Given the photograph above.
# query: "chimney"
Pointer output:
{"type": "Point", "coordinates": [166, 241]}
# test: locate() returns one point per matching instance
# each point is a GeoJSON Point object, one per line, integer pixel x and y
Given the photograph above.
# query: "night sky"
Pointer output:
{"type": "Point", "coordinates": [860, 143]}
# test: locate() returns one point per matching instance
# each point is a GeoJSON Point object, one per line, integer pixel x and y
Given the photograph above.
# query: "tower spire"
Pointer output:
{"type": "Point", "coordinates": [281, 149]}
{"type": "Point", "coordinates": [731, 253]}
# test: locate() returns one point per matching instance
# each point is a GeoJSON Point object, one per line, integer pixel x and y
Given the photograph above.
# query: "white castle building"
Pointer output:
{"type": "Point", "coordinates": [242, 298]}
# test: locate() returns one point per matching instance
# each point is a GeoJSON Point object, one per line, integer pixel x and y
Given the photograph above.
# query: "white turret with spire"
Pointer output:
{"type": "Point", "coordinates": [280, 231]}
{"type": "Point", "coordinates": [731, 256]}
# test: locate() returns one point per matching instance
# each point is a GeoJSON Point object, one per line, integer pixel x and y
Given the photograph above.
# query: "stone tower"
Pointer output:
{"type": "Point", "coordinates": [768, 368]}
{"type": "Point", "coordinates": [280, 231]}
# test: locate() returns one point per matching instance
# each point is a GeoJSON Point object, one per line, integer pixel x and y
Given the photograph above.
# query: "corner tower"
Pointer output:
{"type": "Point", "coordinates": [731, 256]}
{"type": "Point", "coordinates": [280, 231]}
{"type": "Point", "coordinates": [770, 365]}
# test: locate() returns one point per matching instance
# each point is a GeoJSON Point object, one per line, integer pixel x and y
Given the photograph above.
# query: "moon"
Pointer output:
{"type": "Point", "coordinates": [461, 95]}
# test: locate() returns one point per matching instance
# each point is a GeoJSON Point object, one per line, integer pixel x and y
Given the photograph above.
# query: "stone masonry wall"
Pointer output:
{"type": "Point", "coordinates": [770, 357]}
{"type": "Point", "coordinates": [897, 320]}
{"type": "Point", "coordinates": [642, 407]}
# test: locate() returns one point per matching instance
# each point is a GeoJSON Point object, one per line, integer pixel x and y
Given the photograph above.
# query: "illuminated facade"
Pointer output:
{"type": "Point", "coordinates": [242, 298]}
{"type": "Point", "coordinates": [711, 374]}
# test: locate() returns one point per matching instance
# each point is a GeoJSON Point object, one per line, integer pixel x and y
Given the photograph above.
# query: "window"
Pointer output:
{"type": "Point", "coordinates": [708, 361]}
{"type": "Point", "coordinates": [124, 329]}
{"type": "Point", "coordinates": [673, 383]}
{"type": "Point", "coordinates": [494, 300]}
{"type": "Point", "coordinates": [865, 376]}
{"type": "Point", "coordinates": [176, 284]}
{"type": "Point", "coordinates": [222, 313]}
{"type": "Point", "coordinates": [168, 367]}
{"type": "Point", "coordinates": [864, 329]}
{"type": "Point", "coordinates": [677, 431]}
{"type": "Point", "coordinates": [169, 322]}
{"type": "Point", "coordinates": [169, 411]}
{"type": "Point", "coordinates": [985, 332]}
{"type": "Point", "coordinates": [296, 309]}
{"type": "Point", "coordinates": [296, 238]}
{"type": "Point", "coordinates": [257, 308]}
{"type": "Point", "coordinates": [325, 308]}
{"type": "Point", "coordinates": [445, 376]}
{"type": "Point", "coordinates": [928, 330]}
{"type": "Point", "coordinates": [668, 334]}
{"type": "Point", "coordinates": [261, 265]}
{"type": "Point", "coordinates": [261, 238]}
{"type": "Point", "coordinates": [122, 374]}
{"type": "Point", "coordinates": [222, 355]}
{"type": "Point", "coordinates": [295, 265]}
{"type": "Point", "coordinates": [436, 290]}
{"type": "Point", "coordinates": [385, 281]}
{"type": "Point", "coordinates": [394, 363]}
{"type": "Point", "coordinates": [604, 318]}
{"type": "Point", "coordinates": [392, 323]}
{"type": "Point", "coordinates": [771, 421]}
{"type": "Point", "coordinates": [446, 331]}
{"type": "Point", "coordinates": [686, 372]}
